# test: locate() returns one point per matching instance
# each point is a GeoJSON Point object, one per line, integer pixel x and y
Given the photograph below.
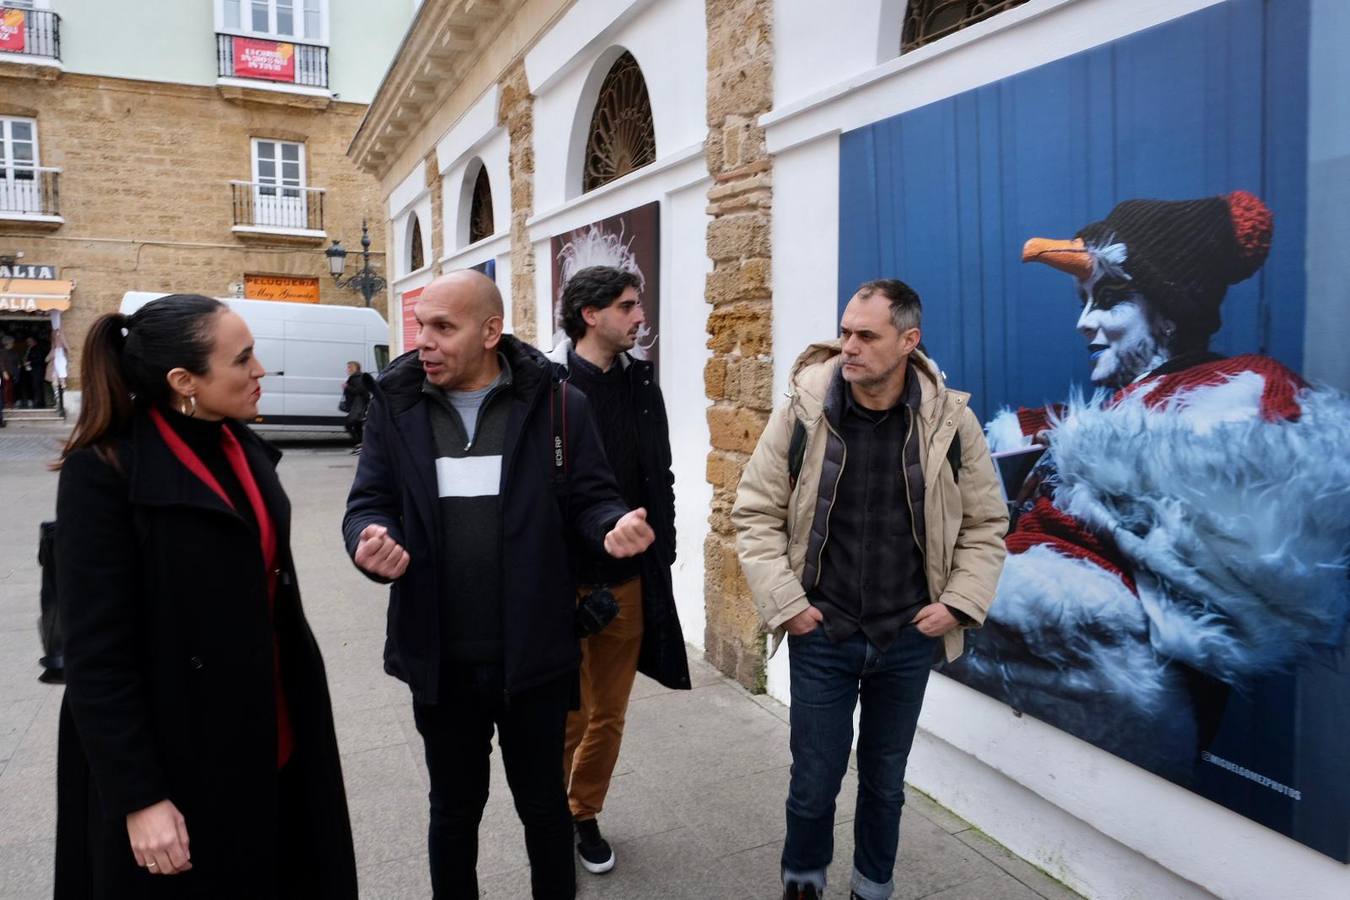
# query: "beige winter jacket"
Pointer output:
{"type": "Point", "coordinates": [965, 522]}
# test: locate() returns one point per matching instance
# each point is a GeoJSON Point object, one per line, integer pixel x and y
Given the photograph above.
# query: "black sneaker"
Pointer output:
{"type": "Point", "coordinates": [794, 891]}
{"type": "Point", "coordinates": [597, 857]}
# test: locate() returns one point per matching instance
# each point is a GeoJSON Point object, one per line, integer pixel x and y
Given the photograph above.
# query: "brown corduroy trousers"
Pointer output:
{"type": "Point", "coordinates": [608, 667]}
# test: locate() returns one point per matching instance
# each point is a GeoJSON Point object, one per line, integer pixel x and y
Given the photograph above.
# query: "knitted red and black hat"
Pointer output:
{"type": "Point", "coordinates": [1181, 255]}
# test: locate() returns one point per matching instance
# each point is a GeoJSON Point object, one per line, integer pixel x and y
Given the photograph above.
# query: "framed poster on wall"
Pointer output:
{"type": "Point", "coordinates": [630, 241]}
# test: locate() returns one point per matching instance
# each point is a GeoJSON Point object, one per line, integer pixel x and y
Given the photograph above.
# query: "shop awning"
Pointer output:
{"type": "Point", "coordinates": [34, 295]}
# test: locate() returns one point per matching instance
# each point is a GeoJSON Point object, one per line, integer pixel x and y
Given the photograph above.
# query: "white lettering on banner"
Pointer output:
{"type": "Point", "coordinates": [266, 60]}
{"type": "Point", "coordinates": [1248, 774]}
{"type": "Point", "coordinates": [18, 304]}
{"type": "Point", "coordinates": [43, 273]}
{"type": "Point", "coordinates": [468, 476]}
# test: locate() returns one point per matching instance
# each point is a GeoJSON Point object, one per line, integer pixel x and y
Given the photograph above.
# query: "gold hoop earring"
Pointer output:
{"type": "Point", "coordinates": [188, 406]}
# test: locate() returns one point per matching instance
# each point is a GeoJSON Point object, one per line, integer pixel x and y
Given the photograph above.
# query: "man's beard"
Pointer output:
{"type": "Point", "coordinates": [871, 379]}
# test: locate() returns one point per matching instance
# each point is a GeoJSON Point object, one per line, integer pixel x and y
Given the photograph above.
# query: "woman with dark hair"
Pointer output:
{"type": "Point", "coordinates": [197, 755]}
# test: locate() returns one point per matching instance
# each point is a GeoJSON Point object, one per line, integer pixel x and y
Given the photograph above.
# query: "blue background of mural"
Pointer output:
{"type": "Point", "coordinates": [944, 196]}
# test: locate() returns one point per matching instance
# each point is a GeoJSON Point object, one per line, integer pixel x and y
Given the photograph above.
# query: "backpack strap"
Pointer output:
{"type": "Point", "coordinates": [796, 452]}
{"type": "Point", "coordinates": [557, 416]}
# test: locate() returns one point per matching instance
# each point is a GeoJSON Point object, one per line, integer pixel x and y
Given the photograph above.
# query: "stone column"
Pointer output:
{"type": "Point", "coordinates": [739, 376]}
{"type": "Point", "coordinates": [516, 114]}
{"type": "Point", "coordinates": [432, 167]}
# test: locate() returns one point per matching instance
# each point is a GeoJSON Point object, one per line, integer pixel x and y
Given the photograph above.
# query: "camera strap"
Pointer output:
{"type": "Point", "coordinates": [557, 416]}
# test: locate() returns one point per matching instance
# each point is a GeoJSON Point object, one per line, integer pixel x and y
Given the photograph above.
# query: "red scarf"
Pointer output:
{"type": "Point", "coordinates": [267, 534]}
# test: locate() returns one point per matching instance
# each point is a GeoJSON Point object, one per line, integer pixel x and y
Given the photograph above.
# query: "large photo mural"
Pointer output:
{"type": "Point", "coordinates": [1112, 250]}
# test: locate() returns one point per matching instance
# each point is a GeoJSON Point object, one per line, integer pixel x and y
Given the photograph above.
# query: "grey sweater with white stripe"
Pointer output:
{"type": "Point", "coordinates": [468, 480]}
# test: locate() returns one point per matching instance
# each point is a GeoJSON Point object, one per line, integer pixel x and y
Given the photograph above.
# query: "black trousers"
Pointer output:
{"type": "Point", "coordinates": [457, 733]}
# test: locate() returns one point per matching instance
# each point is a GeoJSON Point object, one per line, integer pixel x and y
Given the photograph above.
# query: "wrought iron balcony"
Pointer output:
{"type": "Point", "coordinates": [264, 206]}
{"type": "Point", "coordinates": [30, 32]}
{"type": "Point", "coordinates": [264, 59]}
{"type": "Point", "coordinates": [29, 191]}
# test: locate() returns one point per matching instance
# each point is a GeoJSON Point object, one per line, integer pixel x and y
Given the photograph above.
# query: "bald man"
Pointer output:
{"type": "Point", "coordinates": [465, 506]}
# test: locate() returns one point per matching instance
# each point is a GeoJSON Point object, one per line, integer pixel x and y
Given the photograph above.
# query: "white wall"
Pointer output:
{"type": "Point", "coordinates": [566, 67]}
{"type": "Point", "coordinates": [805, 263]}
{"type": "Point", "coordinates": [1105, 827]}
{"type": "Point", "coordinates": [821, 50]}
{"type": "Point", "coordinates": [174, 41]}
{"type": "Point", "coordinates": [362, 40]}
{"type": "Point", "coordinates": [473, 143]}
{"type": "Point", "coordinates": [154, 40]}
{"type": "Point", "coordinates": [411, 198]}
{"type": "Point", "coordinates": [664, 37]}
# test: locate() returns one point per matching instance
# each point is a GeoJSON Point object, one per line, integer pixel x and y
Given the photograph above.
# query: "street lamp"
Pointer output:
{"type": "Point", "coordinates": [367, 281]}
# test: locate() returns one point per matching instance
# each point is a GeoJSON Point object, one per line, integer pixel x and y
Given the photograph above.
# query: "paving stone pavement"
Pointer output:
{"type": "Point", "coordinates": [696, 806]}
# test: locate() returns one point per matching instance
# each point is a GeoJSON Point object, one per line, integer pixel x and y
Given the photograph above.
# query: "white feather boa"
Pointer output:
{"type": "Point", "coordinates": [1236, 529]}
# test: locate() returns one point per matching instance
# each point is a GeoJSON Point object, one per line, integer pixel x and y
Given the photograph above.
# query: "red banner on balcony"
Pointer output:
{"type": "Point", "coordinates": [264, 59]}
{"type": "Point", "coordinates": [12, 30]}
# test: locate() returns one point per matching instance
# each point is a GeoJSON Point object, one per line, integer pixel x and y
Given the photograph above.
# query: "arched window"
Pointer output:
{"type": "Point", "coordinates": [930, 20]}
{"type": "Point", "coordinates": [415, 254]}
{"type": "Point", "coordinates": [480, 208]}
{"type": "Point", "coordinates": [622, 137]}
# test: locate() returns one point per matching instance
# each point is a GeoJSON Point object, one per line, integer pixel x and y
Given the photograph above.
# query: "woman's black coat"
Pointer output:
{"type": "Point", "coordinates": [170, 682]}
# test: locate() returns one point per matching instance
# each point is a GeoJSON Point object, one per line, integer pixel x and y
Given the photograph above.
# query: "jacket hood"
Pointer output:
{"type": "Point", "coordinates": [401, 382]}
{"type": "Point", "coordinates": [815, 368]}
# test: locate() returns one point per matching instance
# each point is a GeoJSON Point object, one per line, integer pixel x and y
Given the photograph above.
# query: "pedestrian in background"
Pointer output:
{"type": "Point", "coordinates": [356, 402]}
{"type": "Point", "coordinates": [31, 366]}
{"type": "Point", "coordinates": [9, 373]}
{"type": "Point", "coordinates": [197, 755]}
{"type": "Point", "coordinates": [8, 369]}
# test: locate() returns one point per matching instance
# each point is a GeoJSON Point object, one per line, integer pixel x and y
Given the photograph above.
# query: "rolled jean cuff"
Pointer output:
{"type": "Point", "coordinates": [816, 878]}
{"type": "Point", "coordinates": [868, 889]}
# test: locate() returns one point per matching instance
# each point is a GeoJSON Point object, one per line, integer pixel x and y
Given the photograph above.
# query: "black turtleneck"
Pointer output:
{"type": "Point", "coordinates": [203, 436]}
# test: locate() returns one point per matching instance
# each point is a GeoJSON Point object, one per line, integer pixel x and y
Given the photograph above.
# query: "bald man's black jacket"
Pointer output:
{"type": "Point", "coordinates": [396, 487]}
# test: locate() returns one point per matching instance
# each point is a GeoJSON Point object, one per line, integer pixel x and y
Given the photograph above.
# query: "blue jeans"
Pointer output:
{"type": "Point", "coordinates": [828, 680]}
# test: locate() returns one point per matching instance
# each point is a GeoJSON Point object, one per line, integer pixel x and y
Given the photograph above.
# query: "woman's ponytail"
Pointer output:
{"type": "Point", "coordinates": [105, 404]}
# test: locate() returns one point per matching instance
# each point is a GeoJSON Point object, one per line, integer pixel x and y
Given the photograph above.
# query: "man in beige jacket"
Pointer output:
{"type": "Point", "coordinates": [870, 527]}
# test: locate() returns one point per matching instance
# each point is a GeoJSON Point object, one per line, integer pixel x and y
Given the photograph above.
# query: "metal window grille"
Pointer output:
{"type": "Point", "coordinates": [480, 209]}
{"type": "Point", "coordinates": [622, 136]}
{"type": "Point", "coordinates": [41, 32]}
{"type": "Point", "coordinates": [930, 20]}
{"type": "Point", "coordinates": [260, 204]}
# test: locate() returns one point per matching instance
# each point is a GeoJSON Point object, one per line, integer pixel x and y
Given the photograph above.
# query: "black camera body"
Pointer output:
{"type": "Point", "coordinates": [596, 610]}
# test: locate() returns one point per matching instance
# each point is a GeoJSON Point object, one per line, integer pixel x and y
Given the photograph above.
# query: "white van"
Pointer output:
{"type": "Point", "coordinates": [305, 347]}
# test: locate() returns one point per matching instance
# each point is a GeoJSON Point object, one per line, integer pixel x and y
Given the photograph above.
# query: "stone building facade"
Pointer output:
{"type": "Point", "coordinates": [161, 183]}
